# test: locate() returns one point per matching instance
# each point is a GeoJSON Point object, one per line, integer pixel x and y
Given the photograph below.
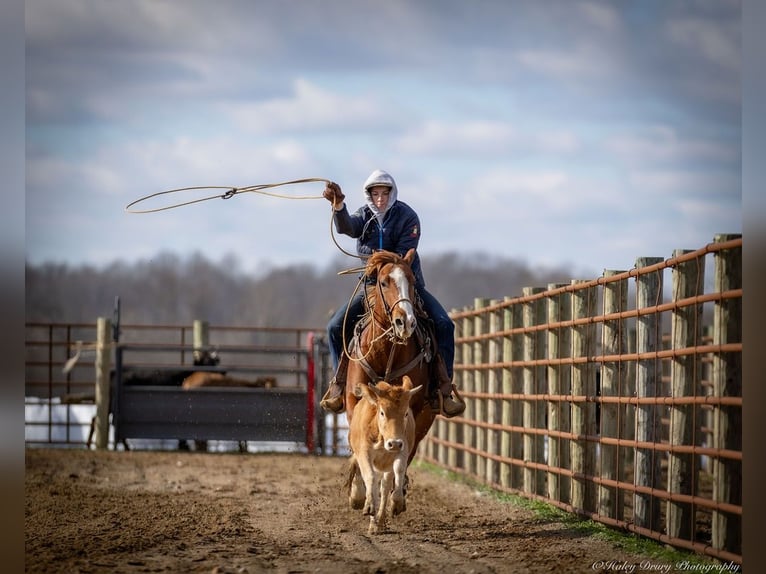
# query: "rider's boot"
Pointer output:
{"type": "Point", "coordinates": [441, 398]}
{"type": "Point", "coordinates": [333, 400]}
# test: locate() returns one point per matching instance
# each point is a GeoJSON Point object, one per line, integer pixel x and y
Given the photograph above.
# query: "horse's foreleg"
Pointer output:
{"type": "Point", "coordinates": [355, 484]}
{"type": "Point", "coordinates": [357, 494]}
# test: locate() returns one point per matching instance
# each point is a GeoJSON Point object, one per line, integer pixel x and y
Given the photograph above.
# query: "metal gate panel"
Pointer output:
{"type": "Point", "coordinates": [155, 412]}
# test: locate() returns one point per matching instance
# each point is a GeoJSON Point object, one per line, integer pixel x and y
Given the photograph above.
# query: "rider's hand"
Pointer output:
{"type": "Point", "coordinates": [333, 194]}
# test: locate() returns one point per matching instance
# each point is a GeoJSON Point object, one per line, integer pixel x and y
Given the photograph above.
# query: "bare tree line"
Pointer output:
{"type": "Point", "coordinates": [173, 290]}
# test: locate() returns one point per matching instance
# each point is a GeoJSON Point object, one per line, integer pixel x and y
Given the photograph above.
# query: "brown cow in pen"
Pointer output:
{"type": "Point", "coordinates": [381, 436]}
{"type": "Point", "coordinates": [206, 379]}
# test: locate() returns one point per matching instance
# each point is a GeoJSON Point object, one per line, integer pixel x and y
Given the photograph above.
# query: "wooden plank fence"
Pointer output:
{"type": "Point", "coordinates": [629, 415]}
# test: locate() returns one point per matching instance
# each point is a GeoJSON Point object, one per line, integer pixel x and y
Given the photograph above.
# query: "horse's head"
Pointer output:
{"type": "Point", "coordinates": [394, 291]}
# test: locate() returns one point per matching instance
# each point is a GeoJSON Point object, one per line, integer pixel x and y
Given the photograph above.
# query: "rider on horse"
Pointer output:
{"type": "Point", "coordinates": [386, 223]}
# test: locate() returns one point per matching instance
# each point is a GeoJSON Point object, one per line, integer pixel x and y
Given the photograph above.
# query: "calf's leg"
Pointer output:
{"type": "Point", "coordinates": [399, 474]}
{"type": "Point", "coordinates": [379, 522]}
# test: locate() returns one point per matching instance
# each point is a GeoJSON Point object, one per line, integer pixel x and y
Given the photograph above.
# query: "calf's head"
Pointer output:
{"type": "Point", "coordinates": [393, 413]}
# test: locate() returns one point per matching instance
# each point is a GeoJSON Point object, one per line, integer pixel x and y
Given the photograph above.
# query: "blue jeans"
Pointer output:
{"type": "Point", "coordinates": [445, 328]}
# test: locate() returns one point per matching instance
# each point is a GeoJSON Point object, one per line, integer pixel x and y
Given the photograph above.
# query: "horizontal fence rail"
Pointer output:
{"type": "Point", "coordinates": [613, 398]}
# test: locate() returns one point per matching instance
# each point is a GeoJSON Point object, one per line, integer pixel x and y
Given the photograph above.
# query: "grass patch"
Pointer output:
{"type": "Point", "coordinates": [548, 513]}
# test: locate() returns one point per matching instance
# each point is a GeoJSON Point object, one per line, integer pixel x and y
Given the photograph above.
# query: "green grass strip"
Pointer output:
{"type": "Point", "coordinates": [548, 513]}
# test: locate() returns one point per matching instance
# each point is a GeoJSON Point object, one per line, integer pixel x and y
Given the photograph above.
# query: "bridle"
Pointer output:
{"type": "Point", "coordinates": [423, 354]}
{"type": "Point", "coordinates": [389, 310]}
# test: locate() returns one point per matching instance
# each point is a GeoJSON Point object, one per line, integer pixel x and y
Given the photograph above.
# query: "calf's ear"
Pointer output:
{"type": "Point", "coordinates": [368, 393]}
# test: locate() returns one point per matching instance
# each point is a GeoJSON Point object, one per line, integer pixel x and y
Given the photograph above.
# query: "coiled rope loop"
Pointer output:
{"type": "Point", "coordinates": [231, 191]}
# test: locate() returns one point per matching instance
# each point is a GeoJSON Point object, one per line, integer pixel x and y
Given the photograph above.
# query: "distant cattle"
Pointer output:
{"type": "Point", "coordinates": [168, 377]}
{"type": "Point", "coordinates": [205, 379]}
{"type": "Point", "coordinates": [382, 437]}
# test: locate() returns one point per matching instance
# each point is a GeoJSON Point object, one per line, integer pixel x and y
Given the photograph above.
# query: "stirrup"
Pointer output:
{"type": "Point", "coordinates": [449, 408]}
{"type": "Point", "coordinates": [333, 400]}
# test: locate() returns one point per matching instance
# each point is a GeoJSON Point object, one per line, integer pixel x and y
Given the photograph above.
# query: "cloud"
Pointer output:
{"type": "Point", "coordinates": [308, 108]}
{"type": "Point", "coordinates": [703, 186]}
{"type": "Point", "coordinates": [664, 144]}
{"type": "Point", "coordinates": [604, 17]}
{"type": "Point", "coordinates": [483, 138]}
{"type": "Point", "coordinates": [500, 120]}
{"type": "Point", "coordinates": [708, 39]}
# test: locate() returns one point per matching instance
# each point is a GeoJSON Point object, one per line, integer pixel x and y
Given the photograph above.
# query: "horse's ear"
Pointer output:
{"type": "Point", "coordinates": [410, 256]}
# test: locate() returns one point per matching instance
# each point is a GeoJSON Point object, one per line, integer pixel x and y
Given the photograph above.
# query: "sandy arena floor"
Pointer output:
{"type": "Point", "coordinates": [116, 512]}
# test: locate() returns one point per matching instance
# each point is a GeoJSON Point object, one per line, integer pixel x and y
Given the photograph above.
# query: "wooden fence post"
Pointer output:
{"type": "Point", "coordinates": [554, 348]}
{"type": "Point", "coordinates": [646, 508]}
{"type": "Point", "coordinates": [583, 452]}
{"type": "Point", "coordinates": [201, 334]}
{"type": "Point", "coordinates": [686, 331]}
{"type": "Point", "coordinates": [454, 434]}
{"type": "Point", "coordinates": [103, 368]}
{"type": "Point", "coordinates": [479, 386]}
{"type": "Point", "coordinates": [534, 377]}
{"type": "Point", "coordinates": [628, 422]}
{"type": "Point", "coordinates": [706, 412]}
{"type": "Point", "coordinates": [467, 458]}
{"type": "Point", "coordinates": [727, 380]}
{"type": "Point", "coordinates": [494, 376]}
{"type": "Point", "coordinates": [510, 444]}
{"type": "Point", "coordinates": [613, 342]}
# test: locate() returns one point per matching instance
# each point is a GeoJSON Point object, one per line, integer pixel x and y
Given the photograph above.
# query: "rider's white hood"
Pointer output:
{"type": "Point", "coordinates": [380, 177]}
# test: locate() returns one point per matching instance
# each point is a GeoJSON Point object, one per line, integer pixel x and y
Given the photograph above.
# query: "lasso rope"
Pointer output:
{"type": "Point", "coordinates": [231, 191]}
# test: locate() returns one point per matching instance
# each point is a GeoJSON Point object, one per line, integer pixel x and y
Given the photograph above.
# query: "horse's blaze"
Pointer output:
{"type": "Point", "coordinates": [403, 315]}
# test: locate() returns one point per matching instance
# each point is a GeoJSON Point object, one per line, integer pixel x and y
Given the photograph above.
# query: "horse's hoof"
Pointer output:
{"type": "Point", "coordinates": [368, 510]}
{"type": "Point", "coordinates": [356, 504]}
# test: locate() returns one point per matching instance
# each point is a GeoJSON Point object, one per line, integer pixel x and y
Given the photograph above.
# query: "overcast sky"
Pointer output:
{"type": "Point", "coordinates": [557, 132]}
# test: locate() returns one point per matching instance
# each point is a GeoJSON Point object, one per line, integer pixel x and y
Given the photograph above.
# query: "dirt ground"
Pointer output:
{"type": "Point", "coordinates": [88, 511]}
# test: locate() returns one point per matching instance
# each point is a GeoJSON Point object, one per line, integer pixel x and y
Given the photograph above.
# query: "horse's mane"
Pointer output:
{"type": "Point", "coordinates": [380, 258]}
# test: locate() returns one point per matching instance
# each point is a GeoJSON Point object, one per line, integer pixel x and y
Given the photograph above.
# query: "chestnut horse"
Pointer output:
{"type": "Point", "coordinates": [387, 345]}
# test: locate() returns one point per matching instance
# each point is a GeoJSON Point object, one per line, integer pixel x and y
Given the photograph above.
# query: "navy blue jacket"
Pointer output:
{"type": "Point", "coordinates": [400, 232]}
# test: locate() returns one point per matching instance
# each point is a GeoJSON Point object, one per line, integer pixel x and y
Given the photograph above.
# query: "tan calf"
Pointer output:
{"type": "Point", "coordinates": [381, 436]}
